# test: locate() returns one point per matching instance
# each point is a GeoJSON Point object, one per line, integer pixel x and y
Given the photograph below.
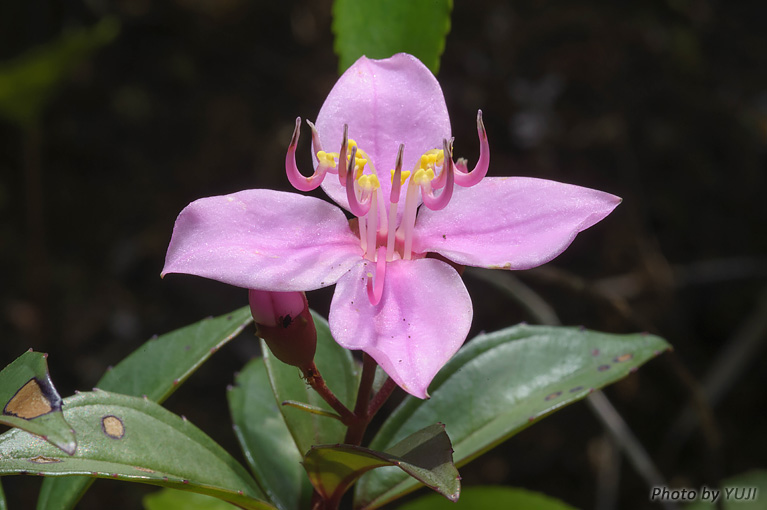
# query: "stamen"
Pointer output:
{"type": "Point", "coordinates": [298, 181]}
{"type": "Point", "coordinates": [437, 203]}
{"type": "Point", "coordinates": [372, 224]}
{"type": "Point", "coordinates": [396, 187]}
{"type": "Point", "coordinates": [316, 143]}
{"type": "Point", "coordinates": [462, 175]}
{"type": "Point", "coordinates": [408, 218]}
{"type": "Point", "coordinates": [358, 208]}
{"type": "Point", "coordinates": [376, 291]}
{"type": "Point", "coordinates": [342, 156]}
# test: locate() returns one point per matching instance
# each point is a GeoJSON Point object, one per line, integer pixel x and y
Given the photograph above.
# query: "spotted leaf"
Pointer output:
{"type": "Point", "coordinates": [134, 439]}
{"type": "Point", "coordinates": [30, 401]}
{"type": "Point", "coordinates": [156, 369]}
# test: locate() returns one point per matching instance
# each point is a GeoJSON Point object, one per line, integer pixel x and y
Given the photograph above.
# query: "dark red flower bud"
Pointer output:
{"type": "Point", "coordinates": [286, 325]}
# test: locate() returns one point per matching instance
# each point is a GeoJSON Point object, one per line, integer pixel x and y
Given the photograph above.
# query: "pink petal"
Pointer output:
{"type": "Point", "coordinates": [385, 103]}
{"type": "Point", "coordinates": [421, 321]}
{"type": "Point", "coordinates": [263, 239]}
{"type": "Point", "coordinates": [510, 222]}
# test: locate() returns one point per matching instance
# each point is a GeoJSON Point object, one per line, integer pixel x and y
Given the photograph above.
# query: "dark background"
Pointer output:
{"type": "Point", "coordinates": [663, 103]}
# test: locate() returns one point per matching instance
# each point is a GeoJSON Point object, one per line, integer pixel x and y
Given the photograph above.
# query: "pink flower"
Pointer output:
{"type": "Point", "coordinates": [405, 308]}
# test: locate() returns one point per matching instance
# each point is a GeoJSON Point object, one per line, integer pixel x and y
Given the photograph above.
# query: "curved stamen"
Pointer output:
{"type": "Point", "coordinates": [462, 176]}
{"type": "Point", "coordinates": [316, 143]}
{"type": "Point", "coordinates": [437, 203]}
{"type": "Point", "coordinates": [342, 156]}
{"type": "Point", "coordinates": [396, 187]}
{"type": "Point", "coordinates": [357, 207]}
{"type": "Point", "coordinates": [298, 181]}
{"type": "Point", "coordinates": [376, 291]}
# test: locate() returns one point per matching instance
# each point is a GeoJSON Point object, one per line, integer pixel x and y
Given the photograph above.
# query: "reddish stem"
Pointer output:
{"type": "Point", "coordinates": [315, 380]}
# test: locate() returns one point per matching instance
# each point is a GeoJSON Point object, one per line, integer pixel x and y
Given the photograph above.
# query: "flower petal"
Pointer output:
{"type": "Point", "coordinates": [510, 222]}
{"type": "Point", "coordinates": [385, 103]}
{"type": "Point", "coordinates": [263, 239]}
{"type": "Point", "coordinates": [422, 319]}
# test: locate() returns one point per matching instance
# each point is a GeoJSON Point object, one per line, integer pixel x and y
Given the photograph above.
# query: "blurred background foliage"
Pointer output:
{"type": "Point", "coordinates": [145, 105]}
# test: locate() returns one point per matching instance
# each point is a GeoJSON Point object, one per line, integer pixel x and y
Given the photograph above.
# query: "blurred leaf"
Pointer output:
{"type": "Point", "coordinates": [488, 498]}
{"type": "Point", "coordinates": [156, 369]}
{"type": "Point", "coordinates": [341, 374]}
{"type": "Point", "coordinates": [746, 491]}
{"type": "Point", "coordinates": [381, 28]}
{"type": "Point", "coordinates": [3, 506]}
{"type": "Point", "coordinates": [500, 384]}
{"type": "Point", "coordinates": [266, 440]}
{"type": "Point", "coordinates": [171, 499]}
{"type": "Point", "coordinates": [31, 402]}
{"type": "Point", "coordinates": [28, 81]}
{"type": "Point", "coordinates": [133, 439]}
{"type": "Point", "coordinates": [426, 455]}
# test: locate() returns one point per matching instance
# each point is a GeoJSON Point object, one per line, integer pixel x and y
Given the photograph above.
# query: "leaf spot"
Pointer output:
{"type": "Point", "coordinates": [602, 368]}
{"type": "Point", "coordinates": [113, 426]}
{"type": "Point", "coordinates": [552, 396]}
{"type": "Point", "coordinates": [30, 401]}
{"type": "Point", "coordinates": [44, 460]}
{"type": "Point", "coordinates": [623, 357]}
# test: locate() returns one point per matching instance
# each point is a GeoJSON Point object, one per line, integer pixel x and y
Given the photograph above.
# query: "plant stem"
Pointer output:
{"type": "Point", "coordinates": [357, 429]}
{"type": "Point", "coordinates": [315, 380]}
{"type": "Point", "coordinates": [381, 397]}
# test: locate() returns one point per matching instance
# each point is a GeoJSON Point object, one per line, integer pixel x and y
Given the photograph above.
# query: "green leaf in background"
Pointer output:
{"type": "Point", "coordinates": [381, 28]}
{"type": "Point", "coordinates": [426, 455]}
{"type": "Point", "coordinates": [28, 81]}
{"type": "Point", "coordinates": [499, 384]}
{"type": "Point", "coordinates": [156, 369]}
{"type": "Point", "coordinates": [134, 439]}
{"type": "Point", "coordinates": [746, 491]}
{"type": "Point", "coordinates": [3, 506]}
{"type": "Point", "coordinates": [171, 499]}
{"type": "Point", "coordinates": [341, 374]}
{"type": "Point", "coordinates": [266, 440]}
{"type": "Point", "coordinates": [489, 498]}
{"type": "Point", "coordinates": [30, 401]}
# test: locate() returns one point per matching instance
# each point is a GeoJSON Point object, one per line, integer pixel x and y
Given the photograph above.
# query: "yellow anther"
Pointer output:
{"type": "Point", "coordinates": [422, 176]}
{"type": "Point", "coordinates": [368, 182]}
{"type": "Point", "coordinates": [403, 177]}
{"type": "Point", "coordinates": [327, 158]}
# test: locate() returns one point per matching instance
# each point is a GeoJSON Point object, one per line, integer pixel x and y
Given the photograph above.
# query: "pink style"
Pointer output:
{"type": "Point", "coordinates": [394, 171]}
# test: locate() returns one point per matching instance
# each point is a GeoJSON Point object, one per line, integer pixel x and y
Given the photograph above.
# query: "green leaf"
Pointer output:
{"type": "Point", "coordinates": [28, 81]}
{"type": "Point", "coordinates": [266, 440]}
{"type": "Point", "coordinates": [159, 366]}
{"type": "Point", "coordinates": [134, 439]}
{"type": "Point", "coordinates": [746, 491]}
{"type": "Point", "coordinates": [489, 498]}
{"type": "Point", "coordinates": [31, 402]}
{"type": "Point", "coordinates": [427, 456]}
{"type": "Point", "coordinates": [341, 374]}
{"type": "Point", "coordinates": [3, 506]}
{"type": "Point", "coordinates": [381, 28]}
{"type": "Point", "coordinates": [171, 499]}
{"type": "Point", "coordinates": [499, 384]}
{"type": "Point", "coordinates": [156, 369]}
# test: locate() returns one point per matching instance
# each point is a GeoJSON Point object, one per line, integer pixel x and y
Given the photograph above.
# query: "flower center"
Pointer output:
{"type": "Point", "coordinates": [381, 239]}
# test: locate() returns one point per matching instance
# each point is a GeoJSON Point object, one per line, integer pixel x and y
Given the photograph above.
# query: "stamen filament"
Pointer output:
{"type": "Point", "coordinates": [372, 225]}
{"type": "Point", "coordinates": [359, 208]}
{"type": "Point", "coordinates": [437, 203]}
{"type": "Point", "coordinates": [298, 181]}
{"type": "Point", "coordinates": [462, 176]}
{"type": "Point", "coordinates": [375, 289]}
{"type": "Point", "coordinates": [408, 219]}
{"type": "Point", "coordinates": [342, 156]}
{"type": "Point", "coordinates": [396, 186]}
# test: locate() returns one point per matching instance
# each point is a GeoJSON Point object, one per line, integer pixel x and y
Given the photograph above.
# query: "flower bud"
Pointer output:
{"type": "Point", "coordinates": [286, 325]}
